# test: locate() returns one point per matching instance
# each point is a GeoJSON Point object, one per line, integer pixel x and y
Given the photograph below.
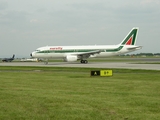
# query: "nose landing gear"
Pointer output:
{"type": "Point", "coordinates": [46, 62]}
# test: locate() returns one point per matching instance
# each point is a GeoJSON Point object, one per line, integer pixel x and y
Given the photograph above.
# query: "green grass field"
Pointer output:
{"type": "Point", "coordinates": [44, 93]}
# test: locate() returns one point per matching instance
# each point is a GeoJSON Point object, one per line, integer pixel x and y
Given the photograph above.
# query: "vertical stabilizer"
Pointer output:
{"type": "Point", "coordinates": [13, 56]}
{"type": "Point", "coordinates": [130, 39]}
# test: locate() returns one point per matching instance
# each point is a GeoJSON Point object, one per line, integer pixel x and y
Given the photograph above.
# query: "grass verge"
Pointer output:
{"type": "Point", "coordinates": [70, 93]}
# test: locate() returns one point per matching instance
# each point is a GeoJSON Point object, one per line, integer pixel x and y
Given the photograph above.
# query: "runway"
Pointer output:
{"type": "Point", "coordinates": [106, 65]}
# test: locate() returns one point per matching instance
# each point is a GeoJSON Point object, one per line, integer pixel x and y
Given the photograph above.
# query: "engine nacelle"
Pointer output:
{"type": "Point", "coordinates": [70, 58]}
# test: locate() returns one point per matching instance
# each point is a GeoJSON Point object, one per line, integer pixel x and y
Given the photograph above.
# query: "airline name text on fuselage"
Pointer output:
{"type": "Point", "coordinates": [56, 48]}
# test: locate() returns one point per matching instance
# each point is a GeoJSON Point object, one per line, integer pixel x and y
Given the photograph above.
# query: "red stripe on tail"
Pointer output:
{"type": "Point", "coordinates": [129, 42]}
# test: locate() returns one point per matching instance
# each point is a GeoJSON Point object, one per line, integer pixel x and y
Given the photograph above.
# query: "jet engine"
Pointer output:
{"type": "Point", "coordinates": [70, 58]}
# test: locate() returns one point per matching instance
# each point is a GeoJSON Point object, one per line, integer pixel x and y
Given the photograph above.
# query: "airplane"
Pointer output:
{"type": "Point", "coordinates": [82, 53]}
{"type": "Point", "coordinates": [8, 59]}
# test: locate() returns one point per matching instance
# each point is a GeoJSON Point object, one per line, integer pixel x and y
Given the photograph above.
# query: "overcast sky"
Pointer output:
{"type": "Point", "coordinates": [28, 24]}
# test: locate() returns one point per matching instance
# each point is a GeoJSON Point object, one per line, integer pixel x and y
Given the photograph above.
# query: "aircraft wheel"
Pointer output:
{"type": "Point", "coordinates": [46, 62]}
{"type": "Point", "coordinates": [84, 61]}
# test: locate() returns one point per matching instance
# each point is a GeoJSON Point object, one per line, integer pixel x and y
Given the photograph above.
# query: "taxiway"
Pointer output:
{"type": "Point", "coordinates": [124, 65]}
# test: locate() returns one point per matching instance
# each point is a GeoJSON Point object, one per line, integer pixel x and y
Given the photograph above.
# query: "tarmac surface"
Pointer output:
{"type": "Point", "coordinates": [124, 65]}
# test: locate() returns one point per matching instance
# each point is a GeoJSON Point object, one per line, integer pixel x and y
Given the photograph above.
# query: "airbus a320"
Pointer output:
{"type": "Point", "coordinates": [82, 53]}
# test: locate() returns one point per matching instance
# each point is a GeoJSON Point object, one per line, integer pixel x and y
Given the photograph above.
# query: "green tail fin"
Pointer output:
{"type": "Point", "coordinates": [130, 39]}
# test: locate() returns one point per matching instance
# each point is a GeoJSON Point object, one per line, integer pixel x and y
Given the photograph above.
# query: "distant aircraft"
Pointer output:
{"type": "Point", "coordinates": [8, 59]}
{"type": "Point", "coordinates": [74, 53]}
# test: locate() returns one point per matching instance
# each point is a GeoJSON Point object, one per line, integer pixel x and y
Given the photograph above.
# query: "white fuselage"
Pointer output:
{"type": "Point", "coordinates": [63, 51]}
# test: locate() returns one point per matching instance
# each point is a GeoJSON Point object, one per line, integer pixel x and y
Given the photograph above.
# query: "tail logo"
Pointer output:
{"type": "Point", "coordinates": [130, 39]}
{"type": "Point", "coordinates": [129, 42]}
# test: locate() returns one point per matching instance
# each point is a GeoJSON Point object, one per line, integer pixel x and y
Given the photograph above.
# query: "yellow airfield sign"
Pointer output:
{"type": "Point", "coordinates": [102, 73]}
{"type": "Point", "coordinates": [106, 73]}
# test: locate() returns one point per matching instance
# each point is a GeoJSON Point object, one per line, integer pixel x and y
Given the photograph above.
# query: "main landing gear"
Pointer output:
{"type": "Point", "coordinates": [84, 61]}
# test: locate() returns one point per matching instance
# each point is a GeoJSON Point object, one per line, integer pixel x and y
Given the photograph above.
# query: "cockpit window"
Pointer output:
{"type": "Point", "coordinates": [37, 50]}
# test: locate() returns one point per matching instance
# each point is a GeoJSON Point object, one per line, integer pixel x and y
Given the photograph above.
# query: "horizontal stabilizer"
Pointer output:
{"type": "Point", "coordinates": [135, 48]}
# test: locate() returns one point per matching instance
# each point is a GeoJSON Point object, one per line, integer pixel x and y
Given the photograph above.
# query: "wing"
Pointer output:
{"type": "Point", "coordinates": [86, 54]}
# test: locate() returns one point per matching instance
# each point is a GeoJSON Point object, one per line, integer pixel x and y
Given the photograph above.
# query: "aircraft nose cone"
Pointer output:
{"type": "Point", "coordinates": [31, 54]}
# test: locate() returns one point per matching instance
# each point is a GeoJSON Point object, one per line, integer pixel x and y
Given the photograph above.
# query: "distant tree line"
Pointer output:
{"type": "Point", "coordinates": [144, 54]}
